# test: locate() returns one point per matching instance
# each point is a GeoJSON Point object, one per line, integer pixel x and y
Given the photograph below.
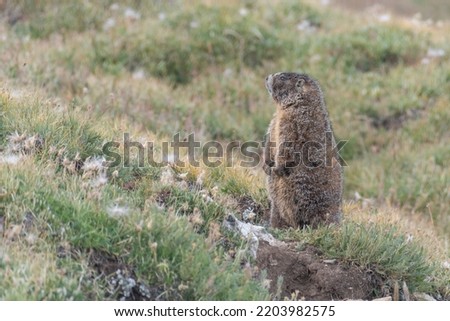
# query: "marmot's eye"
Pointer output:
{"type": "Point", "coordinates": [300, 83]}
{"type": "Point", "coordinates": [283, 78]}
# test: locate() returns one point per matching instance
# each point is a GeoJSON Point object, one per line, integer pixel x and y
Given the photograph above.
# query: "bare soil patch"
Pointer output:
{"type": "Point", "coordinates": [312, 277]}
{"type": "Point", "coordinates": [121, 279]}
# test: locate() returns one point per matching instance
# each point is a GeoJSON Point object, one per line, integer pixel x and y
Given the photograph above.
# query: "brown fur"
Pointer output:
{"type": "Point", "coordinates": [304, 184]}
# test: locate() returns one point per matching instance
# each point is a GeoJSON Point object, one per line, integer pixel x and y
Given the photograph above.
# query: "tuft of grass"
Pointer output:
{"type": "Point", "coordinates": [36, 274]}
{"type": "Point", "coordinates": [31, 116]}
{"type": "Point", "coordinates": [43, 18]}
{"type": "Point", "coordinates": [186, 202]}
{"type": "Point", "coordinates": [375, 48]}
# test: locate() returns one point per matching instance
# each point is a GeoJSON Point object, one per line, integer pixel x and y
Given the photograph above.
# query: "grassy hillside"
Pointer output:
{"type": "Point", "coordinates": [76, 75]}
{"type": "Point", "coordinates": [431, 9]}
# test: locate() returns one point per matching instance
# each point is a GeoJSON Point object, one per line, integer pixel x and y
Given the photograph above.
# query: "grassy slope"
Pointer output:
{"type": "Point", "coordinates": [434, 9]}
{"type": "Point", "coordinates": [194, 61]}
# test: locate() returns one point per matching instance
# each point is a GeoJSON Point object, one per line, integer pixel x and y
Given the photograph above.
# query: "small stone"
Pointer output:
{"type": "Point", "coordinates": [406, 294]}
{"type": "Point", "coordinates": [161, 16]}
{"type": "Point", "coordinates": [109, 23]}
{"type": "Point", "coordinates": [387, 298]}
{"type": "Point", "coordinates": [243, 12]}
{"type": "Point", "coordinates": [248, 215]}
{"type": "Point", "coordinates": [332, 261]}
{"type": "Point", "coordinates": [132, 14]}
{"type": "Point", "coordinates": [423, 297]}
{"type": "Point", "coordinates": [139, 74]}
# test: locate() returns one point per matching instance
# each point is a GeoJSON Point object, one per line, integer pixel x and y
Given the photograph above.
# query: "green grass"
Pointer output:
{"type": "Point", "coordinates": [68, 210]}
{"type": "Point", "coordinates": [47, 17]}
{"type": "Point", "coordinates": [375, 47]}
{"type": "Point", "coordinates": [189, 43]}
{"type": "Point", "coordinates": [195, 68]}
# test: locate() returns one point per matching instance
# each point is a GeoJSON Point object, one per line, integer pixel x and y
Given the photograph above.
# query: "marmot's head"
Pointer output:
{"type": "Point", "coordinates": [290, 89]}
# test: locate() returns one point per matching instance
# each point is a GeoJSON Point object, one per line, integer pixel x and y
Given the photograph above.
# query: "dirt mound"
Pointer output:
{"type": "Point", "coordinates": [313, 277]}
{"type": "Point", "coordinates": [121, 279]}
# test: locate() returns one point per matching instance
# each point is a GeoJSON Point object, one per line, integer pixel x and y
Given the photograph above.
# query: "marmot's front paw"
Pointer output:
{"type": "Point", "coordinates": [267, 168]}
{"type": "Point", "coordinates": [281, 170]}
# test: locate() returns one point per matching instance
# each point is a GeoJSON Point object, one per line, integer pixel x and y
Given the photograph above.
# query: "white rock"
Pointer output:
{"type": "Point", "coordinates": [387, 298]}
{"type": "Point", "coordinates": [11, 159]}
{"type": "Point", "coordinates": [139, 74]}
{"type": "Point", "coordinates": [248, 215]}
{"type": "Point", "coordinates": [435, 52]}
{"type": "Point", "coordinates": [227, 73]}
{"type": "Point", "coordinates": [306, 26]}
{"type": "Point", "coordinates": [243, 12]}
{"type": "Point", "coordinates": [253, 233]}
{"type": "Point", "coordinates": [385, 17]}
{"type": "Point", "coordinates": [194, 24]}
{"type": "Point", "coordinates": [423, 297]}
{"type": "Point", "coordinates": [425, 61]}
{"type": "Point", "coordinates": [161, 16]}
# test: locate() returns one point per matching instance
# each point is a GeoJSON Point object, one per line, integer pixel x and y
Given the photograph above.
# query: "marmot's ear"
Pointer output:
{"type": "Point", "coordinates": [300, 83]}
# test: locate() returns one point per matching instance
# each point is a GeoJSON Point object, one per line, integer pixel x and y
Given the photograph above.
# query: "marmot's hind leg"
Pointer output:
{"type": "Point", "coordinates": [325, 217]}
{"type": "Point", "coordinates": [276, 220]}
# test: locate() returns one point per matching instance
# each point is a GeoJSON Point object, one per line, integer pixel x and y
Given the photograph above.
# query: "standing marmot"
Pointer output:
{"type": "Point", "coordinates": [304, 174]}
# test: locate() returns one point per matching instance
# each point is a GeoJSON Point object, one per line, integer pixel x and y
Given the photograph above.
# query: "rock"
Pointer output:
{"type": "Point", "coordinates": [396, 295]}
{"type": "Point", "coordinates": [252, 232]}
{"type": "Point", "coordinates": [333, 261]}
{"type": "Point", "coordinates": [423, 297]}
{"type": "Point", "coordinates": [406, 294]}
{"type": "Point", "coordinates": [386, 298]}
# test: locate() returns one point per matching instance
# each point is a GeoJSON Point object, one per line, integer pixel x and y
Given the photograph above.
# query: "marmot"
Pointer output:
{"type": "Point", "coordinates": [305, 176]}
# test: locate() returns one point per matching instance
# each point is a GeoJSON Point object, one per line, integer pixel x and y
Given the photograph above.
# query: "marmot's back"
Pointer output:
{"type": "Point", "coordinates": [304, 174]}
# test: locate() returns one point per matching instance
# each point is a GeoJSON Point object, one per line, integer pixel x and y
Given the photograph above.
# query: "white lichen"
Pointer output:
{"type": "Point", "coordinates": [248, 215]}
{"type": "Point", "coordinates": [94, 164]}
{"type": "Point", "coordinates": [123, 284]}
{"type": "Point", "coordinates": [253, 233]}
{"type": "Point", "coordinates": [138, 74]}
{"type": "Point", "coordinates": [243, 12]}
{"type": "Point", "coordinates": [306, 26]}
{"type": "Point", "coordinates": [10, 159]}
{"type": "Point", "coordinates": [132, 14]}
{"type": "Point", "coordinates": [161, 16]}
{"type": "Point", "coordinates": [109, 24]}
{"type": "Point", "coordinates": [117, 210]}
{"type": "Point", "coordinates": [435, 52]}
{"type": "Point", "coordinates": [167, 177]}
